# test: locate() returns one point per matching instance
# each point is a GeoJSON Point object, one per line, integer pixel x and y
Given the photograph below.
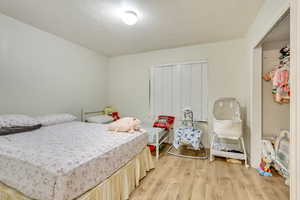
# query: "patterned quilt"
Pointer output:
{"type": "Point", "coordinates": [61, 162]}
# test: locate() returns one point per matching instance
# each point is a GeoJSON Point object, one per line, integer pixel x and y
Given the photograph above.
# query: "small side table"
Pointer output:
{"type": "Point", "coordinates": [156, 137]}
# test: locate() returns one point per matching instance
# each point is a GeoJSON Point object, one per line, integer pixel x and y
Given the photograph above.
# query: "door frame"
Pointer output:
{"type": "Point", "coordinates": [256, 89]}
{"type": "Point", "coordinates": [256, 106]}
{"type": "Point", "coordinates": [256, 127]}
{"type": "Point", "coordinates": [295, 102]}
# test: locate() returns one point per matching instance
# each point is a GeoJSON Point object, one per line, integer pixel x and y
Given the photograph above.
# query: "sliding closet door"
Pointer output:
{"type": "Point", "coordinates": [162, 90]}
{"type": "Point", "coordinates": [179, 86]}
{"type": "Point", "coordinates": [194, 91]}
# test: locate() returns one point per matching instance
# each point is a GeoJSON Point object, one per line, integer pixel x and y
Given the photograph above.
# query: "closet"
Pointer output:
{"type": "Point", "coordinates": [276, 98]}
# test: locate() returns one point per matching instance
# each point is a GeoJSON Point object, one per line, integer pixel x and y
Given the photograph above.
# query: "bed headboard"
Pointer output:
{"type": "Point", "coordinates": [85, 114]}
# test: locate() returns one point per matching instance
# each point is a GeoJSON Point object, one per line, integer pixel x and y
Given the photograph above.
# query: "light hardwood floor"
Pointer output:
{"type": "Point", "coordinates": [189, 179]}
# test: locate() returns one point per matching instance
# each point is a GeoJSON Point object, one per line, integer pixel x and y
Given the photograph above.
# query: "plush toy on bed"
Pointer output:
{"type": "Point", "coordinates": [127, 124]}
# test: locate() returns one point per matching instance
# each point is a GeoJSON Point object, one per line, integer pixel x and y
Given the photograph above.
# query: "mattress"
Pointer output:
{"type": "Point", "coordinates": [61, 162]}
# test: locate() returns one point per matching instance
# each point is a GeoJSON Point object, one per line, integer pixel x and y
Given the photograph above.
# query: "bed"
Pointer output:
{"type": "Point", "coordinates": [66, 161]}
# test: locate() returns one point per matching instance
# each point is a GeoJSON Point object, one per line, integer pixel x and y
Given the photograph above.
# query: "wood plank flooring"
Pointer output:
{"type": "Point", "coordinates": [189, 179]}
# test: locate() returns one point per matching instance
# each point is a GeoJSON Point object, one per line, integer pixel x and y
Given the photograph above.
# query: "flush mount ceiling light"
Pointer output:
{"type": "Point", "coordinates": [129, 17]}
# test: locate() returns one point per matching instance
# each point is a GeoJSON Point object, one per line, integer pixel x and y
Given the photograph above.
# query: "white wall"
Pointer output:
{"type": "Point", "coordinates": [41, 73]}
{"type": "Point", "coordinates": [269, 14]}
{"type": "Point", "coordinates": [129, 75]}
{"type": "Point", "coordinates": [275, 116]}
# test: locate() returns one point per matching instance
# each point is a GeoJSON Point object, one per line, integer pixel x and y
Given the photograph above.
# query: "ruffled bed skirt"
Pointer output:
{"type": "Point", "coordinates": [117, 187]}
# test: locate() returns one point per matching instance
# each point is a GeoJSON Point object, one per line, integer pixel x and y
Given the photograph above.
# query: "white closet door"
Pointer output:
{"type": "Point", "coordinates": [167, 88]}
{"type": "Point", "coordinates": [204, 91]}
{"type": "Point", "coordinates": [176, 87]}
{"type": "Point", "coordinates": [185, 86]}
{"type": "Point", "coordinates": [162, 90]}
{"type": "Point", "coordinates": [176, 91]}
{"type": "Point", "coordinates": [199, 93]}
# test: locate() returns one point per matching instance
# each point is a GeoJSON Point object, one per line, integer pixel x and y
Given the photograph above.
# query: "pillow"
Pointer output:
{"type": "Point", "coordinates": [53, 119]}
{"type": "Point", "coordinates": [100, 119]}
{"type": "Point", "coordinates": [11, 124]}
{"type": "Point", "coordinates": [17, 120]}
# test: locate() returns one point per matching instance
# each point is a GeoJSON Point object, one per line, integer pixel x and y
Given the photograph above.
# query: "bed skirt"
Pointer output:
{"type": "Point", "coordinates": [116, 187]}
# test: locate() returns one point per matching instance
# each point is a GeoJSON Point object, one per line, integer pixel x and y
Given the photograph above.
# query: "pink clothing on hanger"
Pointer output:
{"type": "Point", "coordinates": [281, 87]}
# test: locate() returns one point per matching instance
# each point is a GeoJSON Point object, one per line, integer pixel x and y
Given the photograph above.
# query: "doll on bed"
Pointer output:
{"type": "Point", "coordinates": [126, 124]}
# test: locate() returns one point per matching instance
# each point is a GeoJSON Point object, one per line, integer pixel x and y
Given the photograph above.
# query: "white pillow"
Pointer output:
{"type": "Point", "coordinates": [17, 120]}
{"type": "Point", "coordinates": [53, 119]}
{"type": "Point", "coordinates": [100, 119]}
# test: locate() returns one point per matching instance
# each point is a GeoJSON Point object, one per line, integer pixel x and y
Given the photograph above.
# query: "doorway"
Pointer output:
{"type": "Point", "coordinates": [270, 107]}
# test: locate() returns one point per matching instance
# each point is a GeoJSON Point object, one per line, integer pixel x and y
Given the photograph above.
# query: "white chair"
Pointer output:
{"type": "Point", "coordinates": [227, 124]}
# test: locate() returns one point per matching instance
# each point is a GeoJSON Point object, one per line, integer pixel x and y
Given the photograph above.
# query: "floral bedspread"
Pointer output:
{"type": "Point", "coordinates": [61, 162]}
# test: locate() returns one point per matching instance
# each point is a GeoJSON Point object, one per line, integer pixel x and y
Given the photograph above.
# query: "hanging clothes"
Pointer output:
{"type": "Point", "coordinates": [281, 86]}
{"type": "Point", "coordinates": [280, 77]}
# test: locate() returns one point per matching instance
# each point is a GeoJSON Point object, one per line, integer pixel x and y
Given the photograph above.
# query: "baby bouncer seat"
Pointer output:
{"type": "Point", "coordinates": [227, 125]}
{"type": "Point", "coordinates": [190, 136]}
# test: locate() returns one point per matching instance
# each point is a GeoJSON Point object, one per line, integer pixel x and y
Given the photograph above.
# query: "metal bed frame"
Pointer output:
{"type": "Point", "coordinates": [84, 114]}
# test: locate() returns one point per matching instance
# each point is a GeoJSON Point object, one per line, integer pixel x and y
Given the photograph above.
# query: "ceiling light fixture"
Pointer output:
{"type": "Point", "coordinates": [129, 17]}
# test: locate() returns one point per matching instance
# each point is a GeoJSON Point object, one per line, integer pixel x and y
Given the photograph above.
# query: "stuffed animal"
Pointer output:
{"type": "Point", "coordinates": [127, 124]}
{"type": "Point", "coordinates": [265, 167]}
{"type": "Point", "coordinates": [264, 173]}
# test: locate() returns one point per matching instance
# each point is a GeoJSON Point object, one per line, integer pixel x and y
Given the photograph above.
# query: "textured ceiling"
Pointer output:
{"type": "Point", "coordinates": [96, 24]}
